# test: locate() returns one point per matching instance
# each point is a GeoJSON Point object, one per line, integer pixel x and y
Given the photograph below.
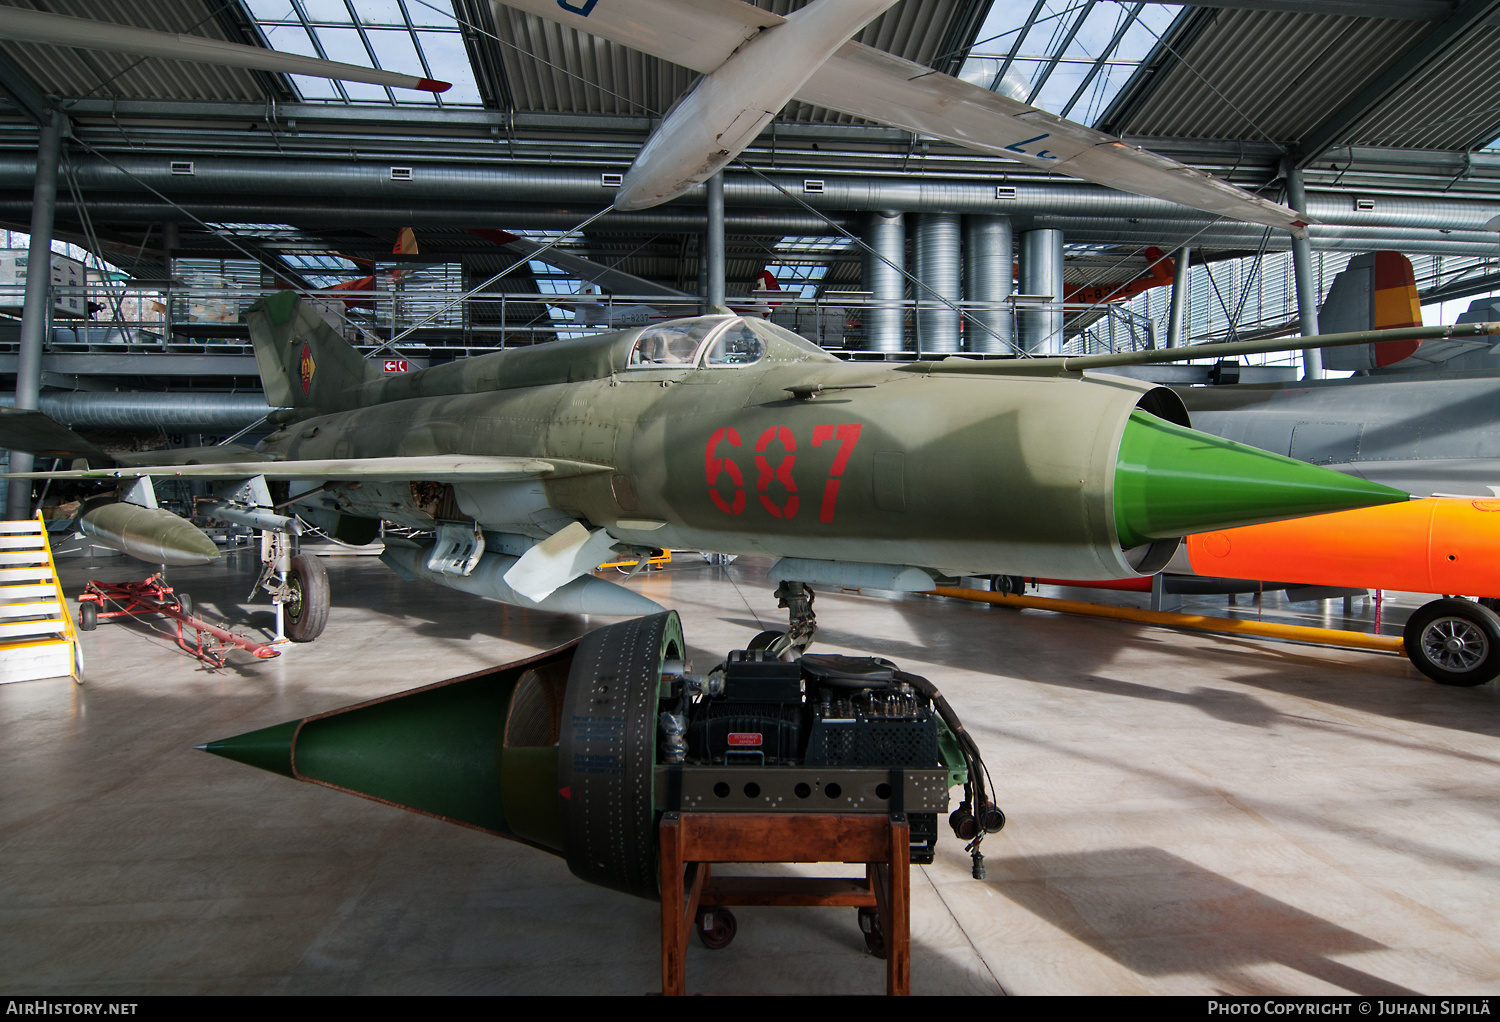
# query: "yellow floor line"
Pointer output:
{"type": "Point", "coordinates": [1198, 622]}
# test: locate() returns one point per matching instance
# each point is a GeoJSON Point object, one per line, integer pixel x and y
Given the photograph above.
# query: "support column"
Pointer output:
{"type": "Point", "coordinates": [1177, 314]}
{"type": "Point", "coordinates": [702, 274]}
{"type": "Point", "coordinates": [1307, 285]}
{"type": "Point", "coordinates": [170, 242]}
{"type": "Point", "coordinates": [939, 270]}
{"type": "Point", "coordinates": [1041, 326]}
{"type": "Point", "coordinates": [716, 239]}
{"type": "Point", "coordinates": [885, 319]}
{"type": "Point", "coordinates": [35, 314]}
{"type": "Point", "coordinates": [989, 263]}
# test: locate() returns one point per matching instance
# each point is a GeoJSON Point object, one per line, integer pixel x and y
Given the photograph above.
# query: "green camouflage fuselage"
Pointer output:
{"type": "Point", "coordinates": [921, 466]}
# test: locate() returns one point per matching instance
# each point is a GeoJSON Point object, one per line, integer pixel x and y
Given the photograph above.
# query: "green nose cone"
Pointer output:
{"type": "Point", "coordinates": [270, 748]}
{"type": "Point", "coordinates": [1174, 481]}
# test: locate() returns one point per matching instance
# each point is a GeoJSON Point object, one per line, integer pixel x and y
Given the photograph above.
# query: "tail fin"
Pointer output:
{"type": "Point", "coordinates": [302, 362]}
{"type": "Point", "coordinates": [1378, 291]}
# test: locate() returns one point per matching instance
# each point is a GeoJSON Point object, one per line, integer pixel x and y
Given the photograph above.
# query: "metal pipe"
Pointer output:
{"type": "Point", "coordinates": [885, 318]}
{"type": "Point", "coordinates": [36, 313]}
{"type": "Point", "coordinates": [1041, 326]}
{"type": "Point", "coordinates": [716, 239]}
{"type": "Point", "coordinates": [989, 268]}
{"type": "Point", "coordinates": [221, 179]}
{"type": "Point", "coordinates": [1249, 239]}
{"type": "Point", "coordinates": [172, 412]}
{"type": "Point", "coordinates": [1302, 272]}
{"type": "Point", "coordinates": [1178, 312]}
{"type": "Point", "coordinates": [938, 269]}
{"type": "Point", "coordinates": [682, 220]}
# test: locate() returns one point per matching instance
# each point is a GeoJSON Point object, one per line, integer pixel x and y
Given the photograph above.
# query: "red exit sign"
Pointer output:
{"type": "Point", "coordinates": [397, 365]}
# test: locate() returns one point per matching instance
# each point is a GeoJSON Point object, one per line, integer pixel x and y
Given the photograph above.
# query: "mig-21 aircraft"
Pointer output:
{"type": "Point", "coordinates": [530, 467]}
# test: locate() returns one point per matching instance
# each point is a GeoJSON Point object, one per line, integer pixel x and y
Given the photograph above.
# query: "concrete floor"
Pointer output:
{"type": "Point", "coordinates": [1188, 815]}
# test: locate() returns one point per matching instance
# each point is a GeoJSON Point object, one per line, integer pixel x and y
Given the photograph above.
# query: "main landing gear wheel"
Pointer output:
{"type": "Point", "coordinates": [1454, 642]}
{"type": "Point", "coordinates": [869, 925]}
{"type": "Point", "coordinates": [307, 610]}
{"type": "Point", "coordinates": [716, 928]}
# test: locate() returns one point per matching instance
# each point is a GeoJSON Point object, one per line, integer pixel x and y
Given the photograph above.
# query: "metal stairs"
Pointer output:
{"type": "Point", "coordinates": [37, 636]}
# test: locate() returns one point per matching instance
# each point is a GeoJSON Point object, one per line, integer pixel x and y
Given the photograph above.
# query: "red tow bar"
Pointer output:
{"type": "Point", "coordinates": [154, 596]}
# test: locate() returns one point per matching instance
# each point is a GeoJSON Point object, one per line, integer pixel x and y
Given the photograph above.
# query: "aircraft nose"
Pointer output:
{"type": "Point", "coordinates": [1174, 481]}
{"type": "Point", "coordinates": [636, 191]}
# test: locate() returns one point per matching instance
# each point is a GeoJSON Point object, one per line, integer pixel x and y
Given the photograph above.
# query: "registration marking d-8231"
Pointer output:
{"type": "Point", "coordinates": [717, 462]}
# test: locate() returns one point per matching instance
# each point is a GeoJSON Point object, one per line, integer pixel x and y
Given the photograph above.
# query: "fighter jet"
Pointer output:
{"type": "Point", "coordinates": [530, 467]}
{"type": "Point", "coordinates": [1418, 415]}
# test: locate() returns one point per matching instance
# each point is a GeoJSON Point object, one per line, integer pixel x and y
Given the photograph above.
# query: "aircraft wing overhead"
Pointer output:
{"type": "Point", "coordinates": [617, 281]}
{"type": "Point", "coordinates": [879, 86]}
{"type": "Point", "coordinates": [22, 430]}
{"type": "Point", "coordinates": [697, 34]}
{"type": "Point", "coordinates": [441, 468]}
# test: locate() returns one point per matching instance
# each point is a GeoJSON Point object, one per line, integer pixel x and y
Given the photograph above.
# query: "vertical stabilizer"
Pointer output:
{"type": "Point", "coordinates": [303, 363]}
{"type": "Point", "coordinates": [1377, 291]}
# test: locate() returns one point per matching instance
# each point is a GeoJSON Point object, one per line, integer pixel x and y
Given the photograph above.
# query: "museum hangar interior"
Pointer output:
{"type": "Point", "coordinates": [441, 393]}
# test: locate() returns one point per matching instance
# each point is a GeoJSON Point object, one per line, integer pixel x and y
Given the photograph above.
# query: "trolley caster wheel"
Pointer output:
{"type": "Point", "coordinates": [716, 928]}
{"type": "Point", "coordinates": [869, 925]}
{"type": "Point", "coordinates": [88, 617]}
{"type": "Point", "coordinates": [185, 604]}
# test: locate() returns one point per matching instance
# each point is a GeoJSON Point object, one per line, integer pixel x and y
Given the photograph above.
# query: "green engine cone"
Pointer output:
{"type": "Point", "coordinates": [1174, 481]}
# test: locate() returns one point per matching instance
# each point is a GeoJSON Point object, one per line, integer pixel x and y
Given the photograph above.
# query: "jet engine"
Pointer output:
{"type": "Point", "coordinates": [579, 750]}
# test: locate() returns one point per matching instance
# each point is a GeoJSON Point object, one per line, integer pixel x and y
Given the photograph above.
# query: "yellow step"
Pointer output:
{"type": "Point", "coordinates": [37, 557]}
{"type": "Point", "coordinates": [39, 659]}
{"type": "Point", "coordinates": [35, 573]}
{"type": "Point", "coordinates": [37, 608]}
{"type": "Point", "coordinates": [20, 629]}
{"type": "Point", "coordinates": [37, 639]}
{"type": "Point", "coordinates": [11, 593]}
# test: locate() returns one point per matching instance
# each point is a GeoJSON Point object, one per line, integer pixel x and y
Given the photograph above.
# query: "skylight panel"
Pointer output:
{"type": "Point", "coordinates": [1073, 57]}
{"type": "Point", "coordinates": [280, 232]}
{"type": "Point", "coordinates": [813, 243]}
{"type": "Point", "coordinates": [323, 269]}
{"type": "Point", "coordinates": [415, 37]}
{"type": "Point", "coordinates": [327, 10]}
{"type": "Point", "coordinates": [800, 279]}
{"type": "Point", "coordinates": [552, 281]}
{"type": "Point", "coordinates": [449, 61]}
{"type": "Point", "coordinates": [1135, 46]}
{"type": "Point", "coordinates": [271, 10]}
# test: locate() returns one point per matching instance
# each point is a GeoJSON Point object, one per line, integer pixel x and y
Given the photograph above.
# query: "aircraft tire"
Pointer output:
{"type": "Point", "coordinates": [1454, 642]}
{"type": "Point", "coordinates": [307, 611]}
